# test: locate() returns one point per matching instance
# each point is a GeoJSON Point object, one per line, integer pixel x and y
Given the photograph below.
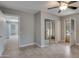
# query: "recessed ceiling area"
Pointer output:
{"type": "Point", "coordinates": [35, 6]}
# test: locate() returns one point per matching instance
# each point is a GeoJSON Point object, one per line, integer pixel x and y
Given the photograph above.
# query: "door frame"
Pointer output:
{"type": "Point", "coordinates": [69, 18]}
{"type": "Point", "coordinates": [74, 28]}
{"type": "Point", "coordinates": [18, 27]}
{"type": "Point", "coordinates": [49, 28]}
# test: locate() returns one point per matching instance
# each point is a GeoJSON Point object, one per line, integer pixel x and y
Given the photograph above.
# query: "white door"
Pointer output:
{"type": "Point", "coordinates": [2, 32]}
{"type": "Point", "coordinates": [13, 30]}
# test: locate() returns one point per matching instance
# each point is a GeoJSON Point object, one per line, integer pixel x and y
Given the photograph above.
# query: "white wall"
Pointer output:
{"type": "Point", "coordinates": [40, 20]}
{"type": "Point", "coordinates": [27, 31]}
{"type": "Point", "coordinates": [26, 25]}
{"type": "Point", "coordinates": [2, 33]}
{"type": "Point", "coordinates": [38, 28]}
{"type": "Point", "coordinates": [27, 28]}
{"type": "Point", "coordinates": [45, 15]}
{"type": "Point", "coordinates": [62, 28]}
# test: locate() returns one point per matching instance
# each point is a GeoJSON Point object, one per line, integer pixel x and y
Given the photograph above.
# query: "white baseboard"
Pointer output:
{"type": "Point", "coordinates": [31, 44]}
{"type": "Point", "coordinates": [77, 43]}
{"type": "Point", "coordinates": [1, 51]}
{"type": "Point", "coordinates": [27, 44]}
{"type": "Point", "coordinates": [39, 45]}
{"type": "Point", "coordinates": [42, 46]}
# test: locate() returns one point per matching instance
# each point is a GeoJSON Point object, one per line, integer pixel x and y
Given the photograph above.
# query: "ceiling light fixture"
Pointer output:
{"type": "Point", "coordinates": [63, 6]}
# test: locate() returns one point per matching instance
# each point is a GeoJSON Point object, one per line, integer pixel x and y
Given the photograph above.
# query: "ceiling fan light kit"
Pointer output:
{"type": "Point", "coordinates": [63, 5]}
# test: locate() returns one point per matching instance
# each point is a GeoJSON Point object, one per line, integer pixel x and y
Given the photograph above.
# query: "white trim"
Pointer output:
{"type": "Point", "coordinates": [8, 14]}
{"type": "Point", "coordinates": [42, 46]}
{"type": "Point", "coordinates": [77, 43]}
{"type": "Point", "coordinates": [25, 45]}
{"type": "Point", "coordinates": [1, 51]}
{"type": "Point", "coordinates": [74, 28]}
{"type": "Point", "coordinates": [39, 45]}
{"type": "Point", "coordinates": [31, 44]}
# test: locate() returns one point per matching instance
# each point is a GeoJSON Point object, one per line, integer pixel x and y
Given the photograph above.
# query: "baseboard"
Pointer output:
{"type": "Point", "coordinates": [42, 46]}
{"type": "Point", "coordinates": [77, 43]}
{"type": "Point", "coordinates": [27, 44]}
{"type": "Point", "coordinates": [31, 44]}
{"type": "Point", "coordinates": [39, 45]}
{"type": "Point", "coordinates": [1, 52]}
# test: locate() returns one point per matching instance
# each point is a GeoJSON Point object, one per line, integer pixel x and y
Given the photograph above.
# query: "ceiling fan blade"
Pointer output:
{"type": "Point", "coordinates": [53, 7]}
{"type": "Point", "coordinates": [59, 11]}
{"type": "Point", "coordinates": [72, 7]}
{"type": "Point", "coordinates": [72, 2]}
{"type": "Point", "coordinates": [59, 2]}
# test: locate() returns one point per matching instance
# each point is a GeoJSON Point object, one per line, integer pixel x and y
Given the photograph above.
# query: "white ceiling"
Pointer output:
{"type": "Point", "coordinates": [35, 6]}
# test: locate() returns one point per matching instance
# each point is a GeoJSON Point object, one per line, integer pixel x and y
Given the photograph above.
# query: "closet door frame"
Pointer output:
{"type": "Point", "coordinates": [48, 20]}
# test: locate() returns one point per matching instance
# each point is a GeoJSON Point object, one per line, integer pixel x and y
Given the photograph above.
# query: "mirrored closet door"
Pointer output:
{"type": "Point", "coordinates": [49, 31]}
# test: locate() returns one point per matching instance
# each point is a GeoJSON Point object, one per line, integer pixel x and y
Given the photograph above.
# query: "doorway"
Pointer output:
{"type": "Point", "coordinates": [12, 29]}
{"type": "Point", "coordinates": [49, 31]}
{"type": "Point", "coordinates": [70, 31]}
{"type": "Point", "coordinates": [12, 35]}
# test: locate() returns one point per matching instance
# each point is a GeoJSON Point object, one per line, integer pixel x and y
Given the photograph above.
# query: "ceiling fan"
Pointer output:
{"type": "Point", "coordinates": [63, 5]}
